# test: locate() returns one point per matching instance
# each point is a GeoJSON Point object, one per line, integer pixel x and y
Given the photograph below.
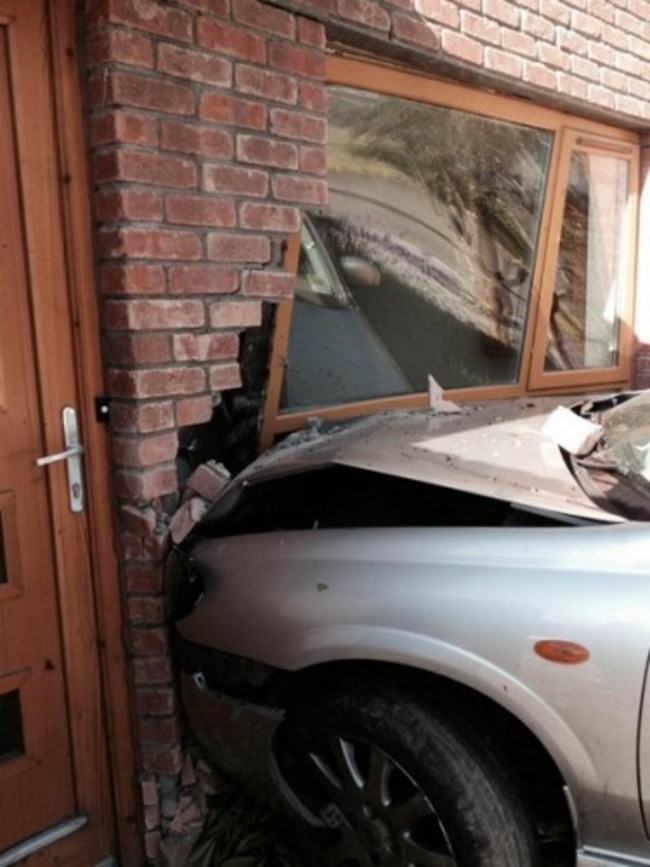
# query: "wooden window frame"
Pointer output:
{"type": "Point", "coordinates": [598, 137]}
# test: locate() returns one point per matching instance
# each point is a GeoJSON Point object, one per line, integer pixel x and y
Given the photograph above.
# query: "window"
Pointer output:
{"type": "Point", "coordinates": [471, 242]}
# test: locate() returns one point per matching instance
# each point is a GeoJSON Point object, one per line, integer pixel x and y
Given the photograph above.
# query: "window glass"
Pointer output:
{"type": "Point", "coordinates": [422, 264]}
{"type": "Point", "coordinates": [590, 272]}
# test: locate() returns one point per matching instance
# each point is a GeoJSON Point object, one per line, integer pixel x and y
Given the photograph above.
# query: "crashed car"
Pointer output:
{"type": "Point", "coordinates": [427, 634]}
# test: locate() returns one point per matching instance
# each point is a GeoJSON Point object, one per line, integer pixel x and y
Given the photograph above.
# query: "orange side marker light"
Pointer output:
{"type": "Point", "coordinates": [563, 652]}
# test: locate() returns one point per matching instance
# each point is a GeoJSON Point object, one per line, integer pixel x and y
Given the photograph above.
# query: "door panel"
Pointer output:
{"type": "Point", "coordinates": [53, 757]}
{"type": "Point", "coordinates": [36, 787]}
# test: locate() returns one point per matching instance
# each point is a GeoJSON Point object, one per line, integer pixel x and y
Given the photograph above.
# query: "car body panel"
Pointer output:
{"type": "Point", "coordinates": [299, 599]}
{"type": "Point", "coordinates": [464, 603]}
{"type": "Point", "coordinates": [497, 449]}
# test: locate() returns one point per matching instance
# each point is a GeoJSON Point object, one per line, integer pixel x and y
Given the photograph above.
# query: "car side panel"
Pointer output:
{"type": "Point", "coordinates": [469, 605]}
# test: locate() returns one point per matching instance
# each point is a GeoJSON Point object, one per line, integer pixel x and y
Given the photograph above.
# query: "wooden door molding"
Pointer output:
{"type": "Point", "coordinates": [72, 153]}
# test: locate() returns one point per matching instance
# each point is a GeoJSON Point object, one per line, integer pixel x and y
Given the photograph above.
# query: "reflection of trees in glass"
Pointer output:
{"type": "Point", "coordinates": [477, 167]}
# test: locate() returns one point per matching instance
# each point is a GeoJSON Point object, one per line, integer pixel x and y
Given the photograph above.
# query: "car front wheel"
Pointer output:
{"type": "Point", "coordinates": [399, 786]}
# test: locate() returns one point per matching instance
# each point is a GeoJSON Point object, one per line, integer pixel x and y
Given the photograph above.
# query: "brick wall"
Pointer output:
{"type": "Point", "coordinates": [206, 132]}
{"type": "Point", "coordinates": [206, 126]}
{"type": "Point", "coordinates": [590, 55]}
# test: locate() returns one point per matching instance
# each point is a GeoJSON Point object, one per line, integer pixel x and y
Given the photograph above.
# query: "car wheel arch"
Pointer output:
{"type": "Point", "coordinates": [476, 715]}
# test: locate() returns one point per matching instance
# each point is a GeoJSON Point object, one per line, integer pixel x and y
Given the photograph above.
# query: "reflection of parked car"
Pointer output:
{"type": "Point", "coordinates": [334, 353]}
{"type": "Point", "coordinates": [425, 637]}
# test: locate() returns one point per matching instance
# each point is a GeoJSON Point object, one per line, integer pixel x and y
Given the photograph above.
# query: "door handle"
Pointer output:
{"type": "Point", "coordinates": [72, 457]}
{"type": "Point", "coordinates": [59, 456]}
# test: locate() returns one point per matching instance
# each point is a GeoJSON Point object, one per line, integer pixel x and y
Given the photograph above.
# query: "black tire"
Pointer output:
{"type": "Point", "coordinates": [400, 786]}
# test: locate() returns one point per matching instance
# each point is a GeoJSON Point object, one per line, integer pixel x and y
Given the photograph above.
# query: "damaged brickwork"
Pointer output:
{"type": "Point", "coordinates": [207, 124]}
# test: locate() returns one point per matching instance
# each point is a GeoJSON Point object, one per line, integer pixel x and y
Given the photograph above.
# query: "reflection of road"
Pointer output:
{"type": "Point", "coordinates": [435, 311]}
{"type": "Point", "coordinates": [402, 210]}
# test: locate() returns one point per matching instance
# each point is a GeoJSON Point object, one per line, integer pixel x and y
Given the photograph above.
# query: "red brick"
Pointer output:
{"type": "Point", "coordinates": [269, 284]}
{"type": "Point", "coordinates": [585, 68]}
{"type": "Point", "coordinates": [236, 314]}
{"type": "Point", "coordinates": [141, 521]}
{"type": "Point", "coordinates": [301, 61]}
{"type": "Point", "coordinates": [463, 48]}
{"type": "Point", "coordinates": [152, 314]}
{"type": "Point", "coordinates": [148, 15]}
{"type": "Point", "coordinates": [153, 670]}
{"type": "Point", "coordinates": [202, 280]}
{"type": "Point", "coordinates": [313, 160]}
{"type": "Point", "coordinates": [196, 139]}
{"type": "Point", "coordinates": [214, 7]}
{"type": "Point", "coordinates": [194, 65]}
{"type": "Point", "coordinates": [142, 205]}
{"type": "Point", "coordinates": [145, 610]}
{"type": "Point", "coordinates": [138, 348]}
{"type": "Point", "coordinates": [445, 12]}
{"type": "Point", "coordinates": [239, 248]}
{"type": "Point", "coordinates": [267, 152]}
{"type": "Point", "coordinates": [123, 127]}
{"type": "Point", "coordinates": [540, 76]}
{"type": "Point", "coordinates": [550, 55]}
{"type": "Point", "coordinates": [313, 97]}
{"type": "Point", "coordinates": [155, 729]}
{"type": "Point", "coordinates": [149, 642]}
{"type": "Point", "coordinates": [156, 382]}
{"type": "Point", "coordinates": [142, 578]}
{"type": "Point", "coordinates": [200, 211]}
{"type": "Point", "coordinates": [407, 28]}
{"type": "Point", "coordinates": [365, 12]}
{"type": "Point", "coordinates": [141, 417]}
{"type": "Point", "coordinates": [225, 376]}
{"type": "Point", "coordinates": [235, 41]}
{"type": "Point", "coordinates": [264, 17]}
{"type": "Point", "coordinates": [556, 10]}
{"type": "Point", "coordinates": [130, 547]}
{"type": "Point", "coordinates": [150, 244]}
{"type": "Point", "coordinates": [322, 6]}
{"type": "Point", "coordinates": [159, 759]}
{"type": "Point", "coordinates": [205, 347]}
{"type": "Point", "coordinates": [139, 91]}
{"type": "Point", "coordinates": [269, 85]}
{"type": "Point", "coordinates": [120, 46]}
{"type": "Point", "coordinates": [503, 62]}
{"type": "Point", "coordinates": [479, 27]}
{"type": "Point", "coordinates": [166, 171]}
{"type": "Point", "coordinates": [152, 701]}
{"type": "Point", "coordinates": [293, 124]}
{"type": "Point", "coordinates": [139, 451]}
{"type": "Point", "coordinates": [503, 11]}
{"type": "Point", "coordinates": [145, 485]}
{"type": "Point", "coordinates": [132, 279]}
{"type": "Point", "coordinates": [600, 96]}
{"type": "Point", "coordinates": [519, 43]}
{"type": "Point", "coordinates": [538, 27]}
{"type": "Point", "coordinates": [298, 189]}
{"type": "Point", "coordinates": [241, 182]}
{"type": "Point", "coordinates": [194, 410]}
{"type": "Point", "coordinates": [274, 218]}
{"type": "Point", "coordinates": [311, 33]}
{"type": "Point", "coordinates": [221, 108]}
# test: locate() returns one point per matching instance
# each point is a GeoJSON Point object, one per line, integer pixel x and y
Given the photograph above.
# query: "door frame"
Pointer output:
{"type": "Point", "coordinates": [107, 601]}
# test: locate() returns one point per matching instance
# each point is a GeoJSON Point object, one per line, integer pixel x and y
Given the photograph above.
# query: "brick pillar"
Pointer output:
{"type": "Point", "coordinates": [206, 126]}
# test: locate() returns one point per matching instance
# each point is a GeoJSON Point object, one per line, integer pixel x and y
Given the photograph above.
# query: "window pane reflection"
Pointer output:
{"type": "Point", "coordinates": [589, 288]}
{"type": "Point", "coordinates": [425, 253]}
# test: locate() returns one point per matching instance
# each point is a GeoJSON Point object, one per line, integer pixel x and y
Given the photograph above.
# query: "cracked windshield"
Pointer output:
{"type": "Point", "coordinates": [422, 263]}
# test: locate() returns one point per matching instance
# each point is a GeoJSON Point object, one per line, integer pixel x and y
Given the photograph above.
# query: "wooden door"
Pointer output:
{"type": "Point", "coordinates": [51, 736]}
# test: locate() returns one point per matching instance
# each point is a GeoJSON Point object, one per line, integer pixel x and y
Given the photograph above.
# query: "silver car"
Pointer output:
{"type": "Point", "coordinates": [427, 634]}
